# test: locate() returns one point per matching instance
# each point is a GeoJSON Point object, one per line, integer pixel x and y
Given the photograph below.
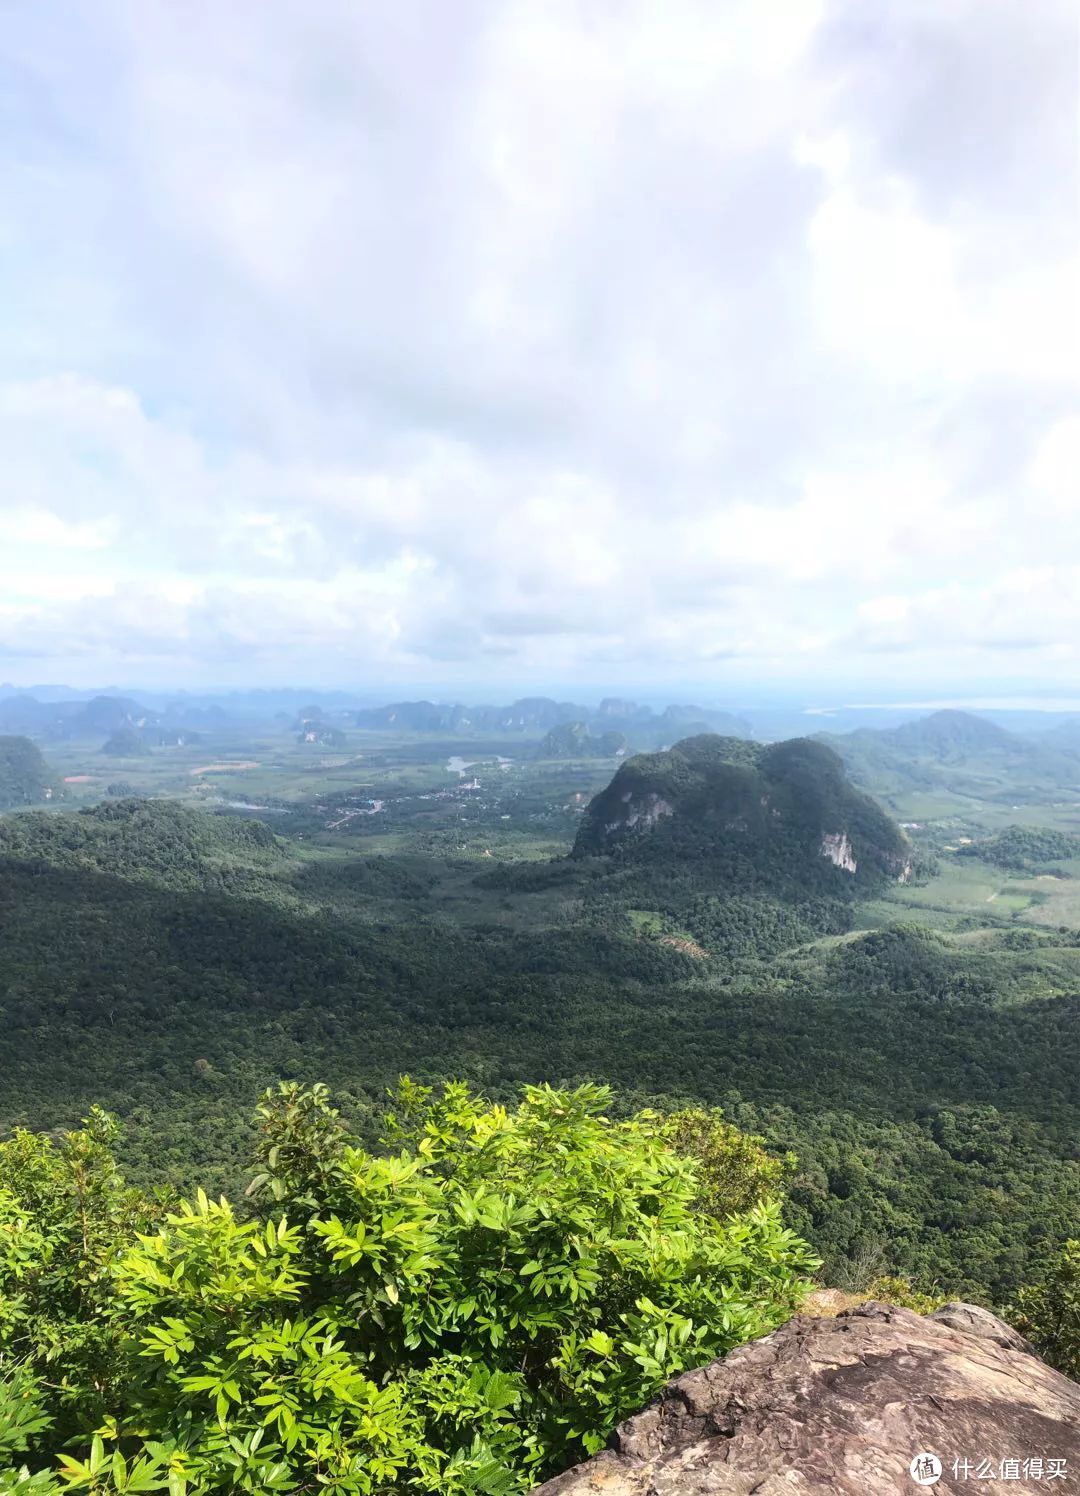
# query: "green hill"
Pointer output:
{"type": "Point", "coordinates": [322, 735]}
{"type": "Point", "coordinates": [24, 774]}
{"type": "Point", "coordinates": [127, 742]}
{"type": "Point", "coordinates": [953, 734]}
{"type": "Point", "coordinates": [139, 840]}
{"type": "Point", "coordinates": [575, 740]}
{"type": "Point", "coordinates": [1024, 848]}
{"type": "Point", "coordinates": [957, 752]}
{"type": "Point", "coordinates": [781, 817]}
{"type": "Point", "coordinates": [105, 714]}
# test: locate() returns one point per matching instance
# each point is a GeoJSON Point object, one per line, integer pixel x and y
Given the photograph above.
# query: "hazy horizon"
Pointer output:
{"type": "Point", "coordinates": [776, 703]}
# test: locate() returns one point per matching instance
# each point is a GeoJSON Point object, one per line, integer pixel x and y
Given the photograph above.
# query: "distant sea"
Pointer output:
{"type": "Point", "coordinates": [957, 703]}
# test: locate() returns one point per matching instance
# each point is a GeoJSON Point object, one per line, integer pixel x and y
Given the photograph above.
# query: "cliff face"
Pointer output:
{"type": "Point", "coordinates": [845, 1406]}
{"type": "Point", "coordinates": [836, 846]}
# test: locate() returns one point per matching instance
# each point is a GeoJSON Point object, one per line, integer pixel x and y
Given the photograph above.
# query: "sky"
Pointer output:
{"type": "Point", "coordinates": [510, 344]}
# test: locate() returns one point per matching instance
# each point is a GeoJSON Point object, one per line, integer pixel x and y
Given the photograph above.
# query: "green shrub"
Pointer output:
{"type": "Point", "coordinates": [65, 1217]}
{"type": "Point", "coordinates": [896, 1289]}
{"type": "Point", "coordinates": [1048, 1313]}
{"type": "Point", "coordinates": [734, 1172]}
{"type": "Point", "coordinates": [468, 1310]}
{"type": "Point", "coordinates": [22, 1417]}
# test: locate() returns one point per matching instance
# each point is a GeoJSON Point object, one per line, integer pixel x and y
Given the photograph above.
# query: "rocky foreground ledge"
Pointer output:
{"type": "Point", "coordinates": [845, 1405]}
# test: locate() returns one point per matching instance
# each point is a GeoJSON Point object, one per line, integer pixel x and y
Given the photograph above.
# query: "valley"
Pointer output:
{"type": "Point", "coordinates": [408, 902]}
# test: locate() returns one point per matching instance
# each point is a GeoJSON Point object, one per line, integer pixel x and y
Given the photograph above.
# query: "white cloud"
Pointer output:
{"type": "Point", "coordinates": [1055, 466]}
{"type": "Point", "coordinates": [39, 527]}
{"type": "Point", "coordinates": [410, 339]}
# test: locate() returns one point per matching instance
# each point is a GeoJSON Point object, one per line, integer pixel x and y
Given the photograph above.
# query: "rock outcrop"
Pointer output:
{"type": "Point", "coordinates": [642, 811]}
{"type": "Point", "coordinates": [836, 846]}
{"type": "Point", "coordinates": [844, 1406]}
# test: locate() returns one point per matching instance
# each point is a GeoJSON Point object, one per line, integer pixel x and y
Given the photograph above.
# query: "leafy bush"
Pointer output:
{"type": "Point", "coordinates": [734, 1172]}
{"type": "Point", "coordinates": [891, 1289]}
{"type": "Point", "coordinates": [22, 1416]}
{"type": "Point", "coordinates": [65, 1217]}
{"type": "Point", "coordinates": [468, 1310]}
{"type": "Point", "coordinates": [1049, 1312]}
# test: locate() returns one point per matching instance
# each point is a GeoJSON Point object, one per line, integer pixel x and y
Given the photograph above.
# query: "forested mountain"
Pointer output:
{"type": "Point", "coordinates": [24, 774]}
{"type": "Point", "coordinates": [97, 717]}
{"type": "Point", "coordinates": [104, 714]}
{"type": "Point", "coordinates": [126, 742]}
{"type": "Point", "coordinates": [953, 734]}
{"type": "Point", "coordinates": [25, 714]}
{"type": "Point", "coordinates": [782, 816]}
{"type": "Point", "coordinates": [958, 751]}
{"type": "Point", "coordinates": [530, 714]}
{"type": "Point", "coordinates": [103, 717]}
{"type": "Point", "coordinates": [1065, 738]}
{"type": "Point", "coordinates": [322, 734]}
{"type": "Point", "coordinates": [541, 714]}
{"type": "Point", "coordinates": [576, 740]}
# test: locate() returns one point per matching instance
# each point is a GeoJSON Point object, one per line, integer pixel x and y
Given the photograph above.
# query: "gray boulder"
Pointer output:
{"type": "Point", "coordinates": [844, 1405]}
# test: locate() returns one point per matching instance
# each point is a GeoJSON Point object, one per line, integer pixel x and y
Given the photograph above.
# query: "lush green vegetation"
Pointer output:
{"type": "Point", "coordinates": [575, 740]}
{"type": "Point", "coordinates": [469, 1307]}
{"type": "Point", "coordinates": [963, 756]}
{"type": "Point", "coordinates": [1025, 848]}
{"type": "Point", "coordinates": [24, 774]}
{"type": "Point", "coordinates": [1049, 1312]}
{"type": "Point", "coordinates": [127, 742]}
{"type": "Point", "coordinates": [409, 904]}
{"type": "Point", "coordinates": [744, 816]}
{"type": "Point", "coordinates": [140, 840]}
{"type": "Point", "coordinates": [927, 1084]}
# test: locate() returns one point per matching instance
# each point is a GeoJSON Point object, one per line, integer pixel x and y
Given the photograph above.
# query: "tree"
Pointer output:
{"type": "Point", "coordinates": [1049, 1312]}
{"type": "Point", "coordinates": [467, 1309]}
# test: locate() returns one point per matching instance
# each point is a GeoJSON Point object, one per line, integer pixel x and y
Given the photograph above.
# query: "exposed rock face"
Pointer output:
{"type": "Point", "coordinates": [642, 811]}
{"type": "Point", "coordinates": [836, 846]}
{"type": "Point", "coordinates": [843, 1406]}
